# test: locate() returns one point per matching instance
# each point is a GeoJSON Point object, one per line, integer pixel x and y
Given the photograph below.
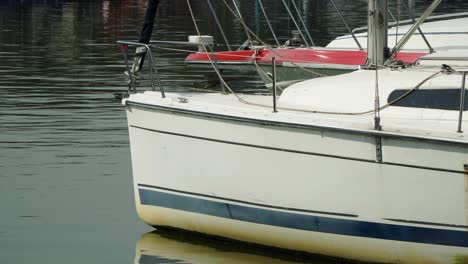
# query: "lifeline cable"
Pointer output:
{"type": "Point", "coordinates": [242, 100]}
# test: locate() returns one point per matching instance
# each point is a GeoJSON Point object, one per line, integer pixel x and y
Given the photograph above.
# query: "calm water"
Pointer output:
{"type": "Point", "coordinates": [65, 171]}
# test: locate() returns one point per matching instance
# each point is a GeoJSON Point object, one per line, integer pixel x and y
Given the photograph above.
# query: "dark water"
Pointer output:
{"type": "Point", "coordinates": [65, 172]}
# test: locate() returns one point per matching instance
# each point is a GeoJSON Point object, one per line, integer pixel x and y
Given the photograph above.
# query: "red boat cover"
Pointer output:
{"type": "Point", "coordinates": [297, 55]}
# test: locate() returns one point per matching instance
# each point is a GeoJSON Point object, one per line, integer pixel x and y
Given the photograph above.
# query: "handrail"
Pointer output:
{"type": "Point", "coordinates": [130, 74]}
{"type": "Point", "coordinates": [441, 58]}
{"type": "Point", "coordinates": [153, 66]}
{"type": "Point", "coordinates": [174, 42]}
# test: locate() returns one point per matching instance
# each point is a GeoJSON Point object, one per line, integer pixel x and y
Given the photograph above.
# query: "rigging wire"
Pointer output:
{"type": "Point", "coordinates": [411, 13]}
{"type": "Point", "coordinates": [218, 73]}
{"type": "Point", "coordinates": [251, 33]}
{"type": "Point", "coordinates": [391, 14]}
{"type": "Point", "coordinates": [242, 100]}
{"type": "Point", "coordinates": [346, 25]}
{"type": "Point", "coordinates": [415, 27]}
{"type": "Point", "coordinates": [242, 22]}
{"type": "Point", "coordinates": [295, 23]}
{"type": "Point", "coordinates": [219, 24]}
{"type": "Point", "coordinates": [397, 21]}
{"type": "Point", "coordinates": [268, 22]}
{"type": "Point", "coordinates": [302, 21]}
{"type": "Point", "coordinates": [272, 50]}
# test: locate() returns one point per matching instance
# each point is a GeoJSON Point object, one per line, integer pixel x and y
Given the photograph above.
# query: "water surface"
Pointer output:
{"type": "Point", "coordinates": [65, 172]}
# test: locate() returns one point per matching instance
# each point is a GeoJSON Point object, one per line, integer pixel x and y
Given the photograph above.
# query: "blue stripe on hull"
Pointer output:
{"type": "Point", "coordinates": [303, 221]}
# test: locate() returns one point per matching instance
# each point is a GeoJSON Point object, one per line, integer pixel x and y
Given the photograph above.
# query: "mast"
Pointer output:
{"type": "Point", "coordinates": [147, 30]}
{"type": "Point", "coordinates": [145, 35]}
{"type": "Point", "coordinates": [377, 36]}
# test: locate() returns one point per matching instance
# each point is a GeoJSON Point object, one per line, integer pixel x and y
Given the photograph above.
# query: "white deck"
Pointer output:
{"type": "Point", "coordinates": [425, 123]}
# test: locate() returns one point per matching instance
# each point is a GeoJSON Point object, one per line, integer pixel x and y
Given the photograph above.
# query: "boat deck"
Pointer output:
{"type": "Point", "coordinates": [430, 124]}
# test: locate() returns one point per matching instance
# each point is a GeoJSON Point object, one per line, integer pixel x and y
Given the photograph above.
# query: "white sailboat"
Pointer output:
{"type": "Point", "coordinates": [337, 166]}
{"type": "Point", "coordinates": [438, 32]}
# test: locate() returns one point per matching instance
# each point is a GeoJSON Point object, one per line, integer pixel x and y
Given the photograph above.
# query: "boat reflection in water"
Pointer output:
{"type": "Point", "coordinates": [163, 246]}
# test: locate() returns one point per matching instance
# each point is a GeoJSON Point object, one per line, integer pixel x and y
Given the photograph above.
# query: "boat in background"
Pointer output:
{"type": "Point", "coordinates": [342, 55]}
{"type": "Point", "coordinates": [293, 64]}
{"type": "Point", "coordinates": [443, 33]}
{"type": "Point", "coordinates": [370, 165]}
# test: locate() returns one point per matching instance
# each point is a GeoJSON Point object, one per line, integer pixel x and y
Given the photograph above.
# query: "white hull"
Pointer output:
{"type": "Point", "coordinates": [201, 172]}
{"type": "Point", "coordinates": [450, 34]}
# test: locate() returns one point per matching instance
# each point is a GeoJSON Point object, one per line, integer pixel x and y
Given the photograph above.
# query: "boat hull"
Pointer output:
{"type": "Point", "coordinates": [292, 64]}
{"type": "Point", "coordinates": [201, 172]}
{"type": "Point", "coordinates": [340, 246]}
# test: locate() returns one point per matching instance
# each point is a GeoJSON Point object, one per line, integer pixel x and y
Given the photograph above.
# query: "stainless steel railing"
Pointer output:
{"type": "Point", "coordinates": [153, 67]}
{"type": "Point", "coordinates": [154, 72]}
